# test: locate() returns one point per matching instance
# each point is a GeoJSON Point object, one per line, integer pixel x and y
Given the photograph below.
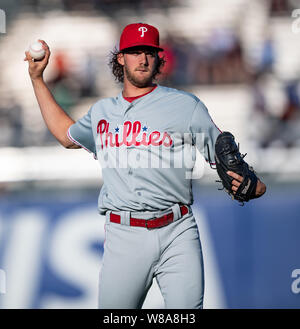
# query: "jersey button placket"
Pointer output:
{"type": "Point", "coordinates": [126, 117]}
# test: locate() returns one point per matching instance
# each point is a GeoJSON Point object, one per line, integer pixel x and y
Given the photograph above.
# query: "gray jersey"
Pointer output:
{"type": "Point", "coordinates": [146, 148]}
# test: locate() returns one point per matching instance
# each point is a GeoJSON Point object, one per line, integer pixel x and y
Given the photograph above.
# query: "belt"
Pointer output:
{"type": "Point", "coordinates": [150, 223]}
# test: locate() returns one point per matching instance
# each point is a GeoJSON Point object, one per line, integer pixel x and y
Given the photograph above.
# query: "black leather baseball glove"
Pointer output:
{"type": "Point", "coordinates": [229, 158]}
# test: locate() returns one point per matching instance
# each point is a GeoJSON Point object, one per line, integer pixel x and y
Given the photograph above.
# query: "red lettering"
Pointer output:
{"type": "Point", "coordinates": [101, 128]}
{"type": "Point", "coordinates": [118, 144]}
{"type": "Point", "coordinates": [154, 137]}
{"type": "Point", "coordinates": [167, 136]}
{"type": "Point", "coordinates": [109, 136]}
{"type": "Point", "coordinates": [144, 140]}
{"type": "Point", "coordinates": [126, 132]}
{"type": "Point", "coordinates": [112, 139]}
{"type": "Point", "coordinates": [137, 126]}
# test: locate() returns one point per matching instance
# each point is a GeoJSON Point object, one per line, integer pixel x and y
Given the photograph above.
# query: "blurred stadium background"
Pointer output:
{"type": "Point", "coordinates": [241, 58]}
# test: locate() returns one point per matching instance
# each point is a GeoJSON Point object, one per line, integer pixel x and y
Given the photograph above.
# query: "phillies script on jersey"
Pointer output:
{"type": "Point", "coordinates": [131, 133]}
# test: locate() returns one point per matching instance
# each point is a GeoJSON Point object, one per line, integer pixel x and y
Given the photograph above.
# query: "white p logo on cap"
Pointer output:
{"type": "Point", "coordinates": [143, 29]}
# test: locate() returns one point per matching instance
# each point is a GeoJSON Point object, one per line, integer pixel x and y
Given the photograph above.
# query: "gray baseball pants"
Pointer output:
{"type": "Point", "coordinates": [133, 256]}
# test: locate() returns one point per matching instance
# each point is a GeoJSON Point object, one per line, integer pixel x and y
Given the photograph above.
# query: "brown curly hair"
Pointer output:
{"type": "Point", "coordinates": [117, 68]}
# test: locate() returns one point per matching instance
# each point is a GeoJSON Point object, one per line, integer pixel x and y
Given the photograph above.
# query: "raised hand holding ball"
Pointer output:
{"type": "Point", "coordinates": [36, 50]}
{"type": "Point", "coordinates": [37, 57]}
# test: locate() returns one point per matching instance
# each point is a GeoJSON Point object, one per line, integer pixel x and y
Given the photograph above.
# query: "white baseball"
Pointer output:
{"type": "Point", "coordinates": [36, 50]}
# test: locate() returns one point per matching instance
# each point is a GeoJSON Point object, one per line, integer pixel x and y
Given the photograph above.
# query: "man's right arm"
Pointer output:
{"type": "Point", "coordinates": [56, 119]}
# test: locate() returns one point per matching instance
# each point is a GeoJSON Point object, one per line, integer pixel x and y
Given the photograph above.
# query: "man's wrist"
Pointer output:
{"type": "Point", "coordinates": [37, 80]}
{"type": "Point", "coordinates": [260, 188]}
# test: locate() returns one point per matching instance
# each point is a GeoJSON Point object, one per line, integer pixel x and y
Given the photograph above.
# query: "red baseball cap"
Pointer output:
{"type": "Point", "coordinates": [139, 34]}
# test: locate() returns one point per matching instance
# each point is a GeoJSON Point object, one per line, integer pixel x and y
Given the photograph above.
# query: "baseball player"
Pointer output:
{"type": "Point", "coordinates": [150, 228]}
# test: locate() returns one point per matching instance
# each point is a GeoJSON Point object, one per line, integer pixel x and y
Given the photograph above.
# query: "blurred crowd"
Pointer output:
{"type": "Point", "coordinates": [107, 7]}
{"type": "Point", "coordinates": [69, 88]}
{"type": "Point", "coordinates": [283, 7]}
{"type": "Point", "coordinates": [218, 61]}
{"type": "Point", "coordinates": [275, 124]}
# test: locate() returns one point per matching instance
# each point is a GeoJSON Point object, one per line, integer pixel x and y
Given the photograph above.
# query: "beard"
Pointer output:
{"type": "Point", "coordinates": [139, 81]}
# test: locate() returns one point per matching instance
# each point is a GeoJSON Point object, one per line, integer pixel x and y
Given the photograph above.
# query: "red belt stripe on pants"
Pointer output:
{"type": "Point", "coordinates": [150, 223]}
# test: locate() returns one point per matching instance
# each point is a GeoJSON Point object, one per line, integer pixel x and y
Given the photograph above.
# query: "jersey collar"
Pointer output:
{"type": "Point", "coordinates": [120, 99]}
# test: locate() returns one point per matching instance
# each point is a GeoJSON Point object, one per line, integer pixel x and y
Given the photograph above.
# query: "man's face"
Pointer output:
{"type": "Point", "coordinates": [139, 65]}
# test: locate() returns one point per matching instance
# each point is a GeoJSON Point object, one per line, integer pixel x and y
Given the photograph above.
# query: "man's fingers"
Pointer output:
{"type": "Point", "coordinates": [45, 46]}
{"type": "Point", "coordinates": [27, 56]}
{"type": "Point", "coordinates": [43, 42]}
{"type": "Point", "coordinates": [236, 183]}
{"type": "Point", "coordinates": [236, 176]}
{"type": "Point", "coordinates": [47, 49]}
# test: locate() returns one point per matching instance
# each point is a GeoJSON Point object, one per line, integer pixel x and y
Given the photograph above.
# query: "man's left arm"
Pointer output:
{"type": "Point", "coordinates": [238, 179]}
